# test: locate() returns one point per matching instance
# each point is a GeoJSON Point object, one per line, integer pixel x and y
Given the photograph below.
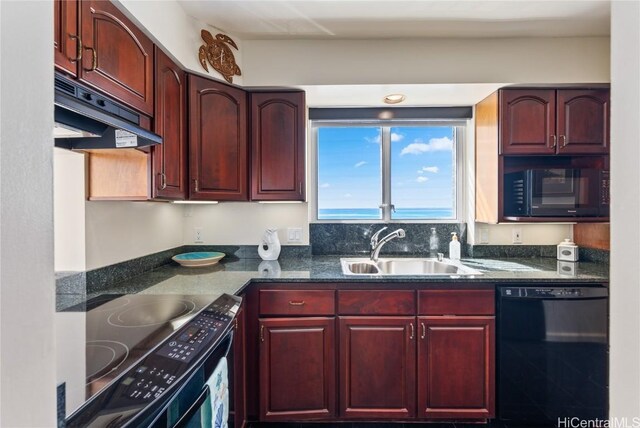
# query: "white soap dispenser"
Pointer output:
{"type": "Point", "coordinates": [454, 247]}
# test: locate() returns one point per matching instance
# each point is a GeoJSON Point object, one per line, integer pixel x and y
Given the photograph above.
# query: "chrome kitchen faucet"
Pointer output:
{"type": "Point", "coordinates": [376, 245]}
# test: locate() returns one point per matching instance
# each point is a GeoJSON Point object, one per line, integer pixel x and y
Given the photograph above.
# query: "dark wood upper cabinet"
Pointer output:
{"type": "Point", "coordinates": [278, 146]}
{"type": "Point", "coordinates": [528, 122]}
{"type": "Point", "coordinates": [297, 368]}
{"type": "Point", "coordinates": [456, 368]}
{"type": "Point", "coordinates": [117, 56]}
{"type": "Point", "coordinates": [67, 43]}
{"type": "Point", "coordinates": [217, 141]}
{"type": "Point", "coordinates": [377, 367]}
{"type": "Point", "coordinates": [583, 121]}
{"type": "Point", "coordinates": [169, 160]}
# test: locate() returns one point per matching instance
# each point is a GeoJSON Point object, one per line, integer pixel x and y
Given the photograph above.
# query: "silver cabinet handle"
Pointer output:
{"type": "Point", "coordinates": [424, 331]}
{"type": "Point", "coordinates": [411, 331]}
{"type": "Point", "coordinates": [555, 141]}
{"type": "Point", "coordinates": [294, 303]}
{"type": "Point", "coordinates": [563, 141]}
{"type": "Point", "coordinates": [262, 333]}
{"type": "Point", "coordinates": [195, 184]}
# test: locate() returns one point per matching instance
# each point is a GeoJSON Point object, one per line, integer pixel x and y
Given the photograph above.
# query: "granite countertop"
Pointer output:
{"type": "Point", "coordinates": [232, 275]}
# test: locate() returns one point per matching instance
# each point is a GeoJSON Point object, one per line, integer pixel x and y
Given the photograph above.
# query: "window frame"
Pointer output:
{"type": "Point", "coordinates": [459, 129]}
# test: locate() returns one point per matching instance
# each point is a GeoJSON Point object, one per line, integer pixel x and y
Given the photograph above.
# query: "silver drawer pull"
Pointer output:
{"type": "Point", "coordinates": [294, 303]}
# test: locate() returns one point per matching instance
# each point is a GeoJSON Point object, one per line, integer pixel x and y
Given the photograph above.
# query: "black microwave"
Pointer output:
{"type": "Point", "coordinates": [557, 192]}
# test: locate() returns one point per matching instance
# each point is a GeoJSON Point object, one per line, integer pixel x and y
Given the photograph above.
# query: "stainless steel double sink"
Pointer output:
{"type": "Point", "coordinates": [406, 267]}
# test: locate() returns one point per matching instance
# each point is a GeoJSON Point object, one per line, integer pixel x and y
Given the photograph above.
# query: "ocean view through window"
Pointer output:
{"type": "Point", "coordinates": [386, 171]}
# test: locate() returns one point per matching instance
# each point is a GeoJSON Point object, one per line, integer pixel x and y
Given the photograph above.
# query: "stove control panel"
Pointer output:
{"type": "Point", "coordinates": [155, 374]}
{"type": "Point", "coordinates": [197, 335]}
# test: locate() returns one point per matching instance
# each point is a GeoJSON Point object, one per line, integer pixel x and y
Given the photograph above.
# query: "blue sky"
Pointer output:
{"type": "Point", "coordinates": [349, 167]}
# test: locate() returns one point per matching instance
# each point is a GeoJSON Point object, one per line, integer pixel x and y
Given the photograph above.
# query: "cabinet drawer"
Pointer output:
{"type": "Point", "coordinates": [456, 302]}
{"type": "Point", "coordinates": [376, 302]}
{"type": "Point", "coordinates": [297, 302]}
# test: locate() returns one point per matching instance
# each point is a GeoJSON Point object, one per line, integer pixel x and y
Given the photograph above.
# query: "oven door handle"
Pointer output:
{"type": "Point", "coordinates": [230, 345]}
{"type": "Point", "coordinates": [197, 405]}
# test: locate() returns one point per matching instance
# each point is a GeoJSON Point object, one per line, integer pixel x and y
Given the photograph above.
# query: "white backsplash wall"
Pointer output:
{"type": "Point", "coordinates": [117, 231]}
{"type": "Point", "coordinates": [243, 223]}
{"type": "Point", "coordinates": [531, 234]}
{"type": "Point", "coordinates": [68, 210]}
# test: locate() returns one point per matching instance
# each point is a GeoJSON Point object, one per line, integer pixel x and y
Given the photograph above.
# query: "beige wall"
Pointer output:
{"type": "Point", "coordinates": [68, 210]}
{"type": "Point", "coordinates": [625, 210]}
{"type": "Point", "coordinates": [333, 62]}
{"type": "Point", "coordinates": [244, 223]}
{"type": "Point", "coordinates": [119, 231]}
{"type": "Point", "coordinates": [179, 34]}
{"type": "Point", "coordinates": [27, 290]}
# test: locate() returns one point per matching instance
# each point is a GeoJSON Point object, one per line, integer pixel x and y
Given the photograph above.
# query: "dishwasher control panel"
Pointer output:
{"type": "Point", "coordinates": [553, 292]}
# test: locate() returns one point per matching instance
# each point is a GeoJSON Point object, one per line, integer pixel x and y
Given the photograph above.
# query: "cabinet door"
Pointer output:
{"type": "Point", "coordinates": [297, 368]}
{"type": "Point", "coordinates": [277, 146]}
{"type": "Point", "coordinates": [66, 41]}
{"type": "Point", "coordinates": [456, 367]}
{"type": "Point", "coordinates": [377, 367]}
{"type": "Point", "coordinates": [169, 160]}
{"type": "Point", "coordinates": [528, 122]}
{"type": "Point", "coordinates": [118, 57]}
{"type": "Point", "coordinates": [217, 141]}
{"type": "Point", "coordinates": [583, 121]}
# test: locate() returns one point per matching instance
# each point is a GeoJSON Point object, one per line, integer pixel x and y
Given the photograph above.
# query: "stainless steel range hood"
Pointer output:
{"type": "Point", "coordinates": [85, 119]}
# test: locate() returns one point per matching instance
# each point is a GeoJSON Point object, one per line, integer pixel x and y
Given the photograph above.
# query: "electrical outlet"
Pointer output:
{"type": "Point", "coordinates": [517, 235]}
{"type": "Point", "coordinates": [484, 235]}
{"type": "Point", "coordinates": [294, 234]}
{"type": "Point", "coordinates": [198, 236]}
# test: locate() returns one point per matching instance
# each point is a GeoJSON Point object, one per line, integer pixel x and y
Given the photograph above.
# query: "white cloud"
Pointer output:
{"type": "Point", "coordinates": [432, 169]}
{"type": "Point", "coordinates": [325, 185]}
{"type": "Point", "coordinates": [359, 164]}
{"type": "Point", "coordinates": [348, 195]}
{"type": "Point", "coordinates": [434, 145]}
{"type": "Point", "coordinates": [422, 179]}
{"type": "Point", "coordinates": [420, 171]}
{"type": "Point", "coordinates": [374, 140]}
{"type": "Point", "coordinates": [396, 137]}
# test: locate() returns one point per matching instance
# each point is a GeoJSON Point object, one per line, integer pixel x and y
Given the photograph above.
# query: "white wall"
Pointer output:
{"type": "Point", "coordinates": [68, 210]}
{"type": "Point", "coordinates": [118, 231]}
{"type": "Point", "coordinates": [244, 223]}
{"type": "Point", "coordinates": [27, 292]}
{"type": "Point", "coordinates": [179, 34]}
{"type": "Point", "coordinates": [333, 62]}
{"type": "Point", "coordinates": [625, 210]}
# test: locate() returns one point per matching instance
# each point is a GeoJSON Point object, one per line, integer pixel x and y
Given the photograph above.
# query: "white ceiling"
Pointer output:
{"type": "Point", "coordinates": [378, 19]}
{"type": "Point", "coordinates": [416, 95]}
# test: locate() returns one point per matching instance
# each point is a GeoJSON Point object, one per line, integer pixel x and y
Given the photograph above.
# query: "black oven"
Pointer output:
{"type": "Point", "coordinates": [557, 192]}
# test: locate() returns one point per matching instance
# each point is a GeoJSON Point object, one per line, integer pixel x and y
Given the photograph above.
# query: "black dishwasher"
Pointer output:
{"type": "Point", "coordinates": [553, 354]}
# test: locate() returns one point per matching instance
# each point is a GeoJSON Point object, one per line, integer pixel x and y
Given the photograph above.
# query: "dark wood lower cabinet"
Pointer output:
{"type": "Point", "coordinates": [377, 367]}
{"type": "Point", "coordinates": [297, 368]}
{"type": "Point", "coordinates": [456, 367]}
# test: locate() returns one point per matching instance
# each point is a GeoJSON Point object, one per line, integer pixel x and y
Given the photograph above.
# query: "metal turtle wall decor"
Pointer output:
{"type": "Point", "coordinates": [219, 55]}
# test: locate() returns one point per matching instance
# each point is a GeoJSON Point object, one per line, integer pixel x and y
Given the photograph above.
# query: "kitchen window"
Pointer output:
{"type": "Point", "coordinates": [387, 170]}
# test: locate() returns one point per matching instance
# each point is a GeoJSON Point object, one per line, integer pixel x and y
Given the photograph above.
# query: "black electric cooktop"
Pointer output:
{"type": "Point", "coordinates": [120, 330]}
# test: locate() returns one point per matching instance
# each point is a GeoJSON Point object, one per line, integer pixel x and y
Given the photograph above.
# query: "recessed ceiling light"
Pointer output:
{"type": "Point", "coordinates": [394, 98]}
